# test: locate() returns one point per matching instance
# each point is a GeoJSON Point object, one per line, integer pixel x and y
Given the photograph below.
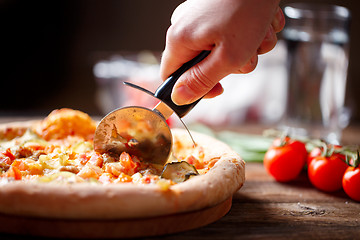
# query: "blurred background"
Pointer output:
{"type": "Point", "coordinates": [51, 51]}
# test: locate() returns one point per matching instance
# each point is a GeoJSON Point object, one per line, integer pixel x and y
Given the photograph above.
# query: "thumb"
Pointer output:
{"type": "Point", "coordinates": [192, 85]}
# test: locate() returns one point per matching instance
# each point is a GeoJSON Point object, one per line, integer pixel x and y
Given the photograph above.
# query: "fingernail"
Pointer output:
{"type": "Point", "coordinates": [182, 95]}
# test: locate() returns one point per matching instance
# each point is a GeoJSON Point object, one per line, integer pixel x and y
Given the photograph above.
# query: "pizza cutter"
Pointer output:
{"type": "Point", "coordinates": [141, 131]}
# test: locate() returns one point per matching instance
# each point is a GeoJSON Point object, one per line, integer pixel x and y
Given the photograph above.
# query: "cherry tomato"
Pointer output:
{"type": "Point", "coordinates": [326, 172]}
{"type": "Point", "coordinates": [317, 151]}
{"type": "Point", "coordinates": [351, 182]}
{"type": "Point", "coordinates": [285, 159]}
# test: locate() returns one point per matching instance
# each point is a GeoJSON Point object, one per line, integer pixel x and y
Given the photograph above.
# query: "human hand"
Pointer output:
{"type": "Point", "coordinates": [235, 31]}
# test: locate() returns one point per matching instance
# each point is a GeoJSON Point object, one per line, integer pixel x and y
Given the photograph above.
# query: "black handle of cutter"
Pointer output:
{"type": "Point", "coordinates": [164, 91]}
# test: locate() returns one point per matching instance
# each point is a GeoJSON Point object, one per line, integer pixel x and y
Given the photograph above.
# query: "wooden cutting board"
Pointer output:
{"type": "Point", "coordinates": [121, 228]}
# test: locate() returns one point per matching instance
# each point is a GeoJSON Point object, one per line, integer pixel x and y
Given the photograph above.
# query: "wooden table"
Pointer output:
{"type": "Point", "coordinates": [266, 209]}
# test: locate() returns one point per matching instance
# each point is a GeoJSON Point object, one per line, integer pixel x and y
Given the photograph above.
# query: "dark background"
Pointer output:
{"type": "Point", "coordinates": [48, 48]}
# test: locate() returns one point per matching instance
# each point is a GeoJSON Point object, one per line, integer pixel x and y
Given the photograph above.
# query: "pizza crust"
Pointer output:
{"type": "Point", "coordinates": [124, 201]}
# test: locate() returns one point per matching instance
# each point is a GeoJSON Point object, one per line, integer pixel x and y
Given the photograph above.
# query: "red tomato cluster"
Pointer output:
{"type": "Point", "coordinates": [329, 168]}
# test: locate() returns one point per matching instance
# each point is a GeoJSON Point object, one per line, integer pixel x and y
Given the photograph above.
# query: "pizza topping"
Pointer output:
{"type": "Point", "coordinates": [7, 156]}
{"type": "Point", "coordinates": [28, 166]}
{"type": "Point", "coordinates": [23, 152]}
{"type": "Point", "coordinates": [179, 171]}
{"type": "Point", "coordinates": [13, 173]}
{"type": "Point", "coordinates": [71, 169]}
{"type": "Point", "coordinates": [114, 168]}
{"type": "Point", "coordinates": [90, 171]}
{"type": "Point", "coordinates": [52, 161]}
{"type": "Point", "coordinates": [28, 140]}
{"type": "Point", "coordinates": [107, 158]}
{"type": "Point", "coordinates": [4, 167]}
{"type": "Point", "coordinates": [164, 184]}
{"type": "Point", "coordinates": [6, 159]}
{"type": "Point", "coordinates": [61, 177]}
{"type": "Point", "coordinates": [81, 147]}
{"type": "Point", "coordinates": [96, 159]}
{"type": "Point", "coordinates": [66, 122]}
{"type": "Point", "coordinates": [60, 149]}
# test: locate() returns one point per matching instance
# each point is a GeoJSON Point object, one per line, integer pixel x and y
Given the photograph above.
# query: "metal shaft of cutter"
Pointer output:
{"type": "Point", "coordinates": [163, 109]}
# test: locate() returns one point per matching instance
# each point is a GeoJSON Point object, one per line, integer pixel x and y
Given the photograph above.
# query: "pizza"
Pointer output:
{"type": "Point", "coordinates": [49, 169]}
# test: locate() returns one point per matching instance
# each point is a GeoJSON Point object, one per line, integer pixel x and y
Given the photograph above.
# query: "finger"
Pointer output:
{"type": "Point", "coordinates": [250, 65]}
{"type": "Point", "coordinates": [172, 60]}
{"type": "Point", "coordinates": [268, 42]}
{"type": "Point", "coordinates": [179, 49]}
{"type": "Point", "coordinates": [215, 91]}
{"type": "Point", "coordinates": [278, 22]}
{"type": "Point", "coordinates": [176, 15]}
{"type": "Point", "coordinates": [203, 77]}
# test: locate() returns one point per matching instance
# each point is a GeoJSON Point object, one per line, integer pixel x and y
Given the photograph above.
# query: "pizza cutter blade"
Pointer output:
{"type": "Point", "coordinates": [141, 131]}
